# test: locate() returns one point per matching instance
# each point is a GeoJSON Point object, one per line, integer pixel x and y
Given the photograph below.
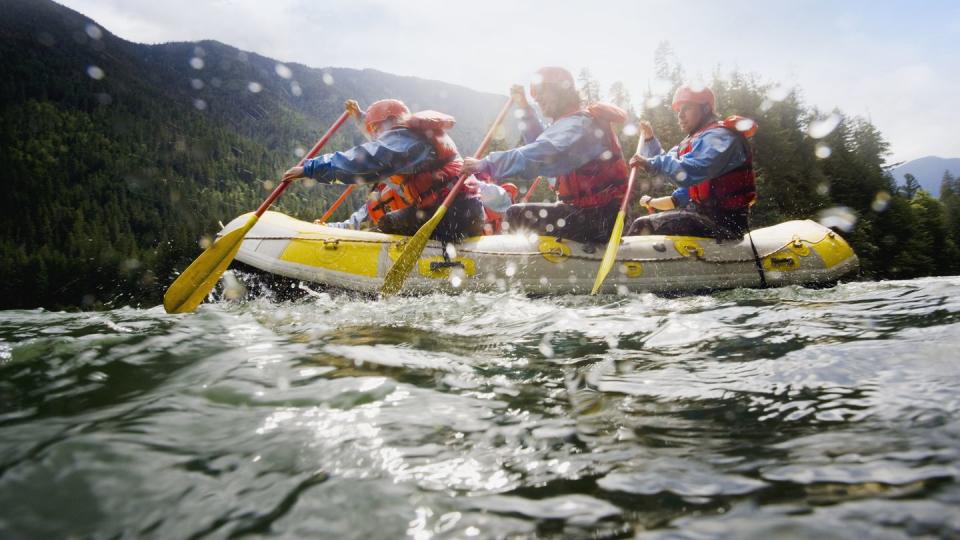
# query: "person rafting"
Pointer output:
{"type": "Point", "coordinates": [712, 168]}
{"type": "Point", "coordinates": [414, 156]}
{"type": "Point", "coordinates": [580, 149]}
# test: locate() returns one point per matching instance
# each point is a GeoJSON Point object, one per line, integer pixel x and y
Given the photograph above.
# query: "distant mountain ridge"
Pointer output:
{"type": "Point", "coordinates": [928, 171]}
{"type": "Point", "coordinates": [209, 70]}
{"type": "Point", "coordinates": [117, 157]}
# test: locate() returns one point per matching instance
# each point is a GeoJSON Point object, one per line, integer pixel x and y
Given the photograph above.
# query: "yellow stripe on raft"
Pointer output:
{"type": "Point", "coordinates": [357, 258]}
{"type": "Point", "coordinates": [833, 250]}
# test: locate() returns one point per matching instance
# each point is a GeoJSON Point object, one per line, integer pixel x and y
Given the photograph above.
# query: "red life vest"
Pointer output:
{"type": "Point", "coordinates": [733, 190]}
{"type": "Point", "coordinates": [604, 179]}
{"type": "Point", "coordinates": [384, 199]}
{"type": "Point", "coordinates": [427, 187]}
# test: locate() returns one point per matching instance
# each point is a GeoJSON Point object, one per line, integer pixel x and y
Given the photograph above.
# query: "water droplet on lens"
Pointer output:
{"type": "Point", "coordinates": [821, 128]}
{"type": "Point", "coordinates": [197, 84]}
{"type": "Point", "coordinates": [200, 104]}
{"type": "Point", "coordinates": [254, 87]}
{"type": "Point", "coordinates": [283, 71]}
{"type": "Point", "coordinates": [880, 202]}
{"type": "Point", "coordinates": [744, 124]}
{"type": "Point", "coordinates": [327, 79]}
{"type": "Point", "coordinates": [196, 63]}
{"type": "Point", "coordinates": [95, 73]}
{"type": "Point", "coordinates": [838, 217]}
{"type": "Point", "coordinates": [822, 151]}
{"type": "Point", "coordinates": [94, 31]}
{"type": "Point", "coordinates": [630, 129]}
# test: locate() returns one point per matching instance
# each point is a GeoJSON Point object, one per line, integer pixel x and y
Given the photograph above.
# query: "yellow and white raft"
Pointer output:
{"type": "Point", "coordinates": [791, 253]}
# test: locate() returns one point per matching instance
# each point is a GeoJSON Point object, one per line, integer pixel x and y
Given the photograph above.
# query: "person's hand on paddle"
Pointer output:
{"type": "Point", "coordinates": [352, 106]}
{"type": "Point", "coordinates": [293, 173]}
{"type": "Point", "coordinates": [645, 201]}
{"type": "Point", "coordinates": [519, 96]}
{"type": "Point", "coordinates": [640, 162]}
{"type": "Point", "coordinates": [647, 129]}
{"type": "Point", "coordinates": [470, 166]}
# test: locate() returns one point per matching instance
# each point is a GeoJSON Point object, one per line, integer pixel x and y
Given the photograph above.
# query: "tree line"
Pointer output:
{"type": "Point", "coordinates": [113, 189]}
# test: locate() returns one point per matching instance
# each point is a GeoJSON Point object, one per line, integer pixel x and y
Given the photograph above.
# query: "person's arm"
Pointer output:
{"type": "Point", "coordinates": [395, 151]}
{"type": "Point", "coordinates": [531, 126]}
{"type": "Point", "coordinates": [716, 152]}
{"type": "Point", "coordinates": [651, 148]}
{"type": "Point", "coordinates": [567, 145]}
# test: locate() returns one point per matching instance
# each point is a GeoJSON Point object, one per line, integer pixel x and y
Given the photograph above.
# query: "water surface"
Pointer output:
{"type": "Point", "coordinates": [750, 414]}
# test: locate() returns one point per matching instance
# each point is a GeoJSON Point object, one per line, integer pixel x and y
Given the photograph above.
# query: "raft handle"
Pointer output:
{"type": "Point", "coordinates": [332, 243]}
{"type": "Point", "coordinates": [783, 260]}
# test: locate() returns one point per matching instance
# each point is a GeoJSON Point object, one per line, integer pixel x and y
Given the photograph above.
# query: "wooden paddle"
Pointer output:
{"type": "Point", "coordinates": [193, 285]}
{"type": "Point", "coordinates": [357, 114]}
{"type": "Point", "coordinates": [610, 256]}
{"type": "Point", "coordinates": [414, 247]}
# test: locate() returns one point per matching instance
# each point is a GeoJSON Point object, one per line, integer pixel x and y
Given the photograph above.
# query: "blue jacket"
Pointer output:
{"type": "Point", "coordinates": [396, 151]}
{"type": "Point", "coordinates": [564, 146]}
{"type": "Point", "coordinates": [714, 152]}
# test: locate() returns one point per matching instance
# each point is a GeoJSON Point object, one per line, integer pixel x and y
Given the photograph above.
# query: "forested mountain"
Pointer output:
{"type": "Point", "coordinates": [927, 171]}
{"type": "Point", "coordinates": [119, 158]}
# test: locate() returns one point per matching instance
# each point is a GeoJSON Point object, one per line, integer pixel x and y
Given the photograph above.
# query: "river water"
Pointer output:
{"type": "Point", "coordinates": [784, 413]}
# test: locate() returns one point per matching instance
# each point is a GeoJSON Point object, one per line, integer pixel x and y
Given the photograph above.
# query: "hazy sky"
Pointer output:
{"type": "Point", "coordinates": [895, 63]}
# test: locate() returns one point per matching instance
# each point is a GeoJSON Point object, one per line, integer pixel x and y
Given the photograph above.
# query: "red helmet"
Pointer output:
{"type": "Point", "coordinates": [383, 110]}
{"type": "Point", "coordinates": [686, 94]}
{"type": "Point", "coordinates": [554, 76]}
{"type": "Point", "coordinates": [511, 189]}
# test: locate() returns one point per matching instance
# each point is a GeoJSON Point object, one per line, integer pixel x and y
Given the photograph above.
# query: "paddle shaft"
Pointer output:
{"type": "Point", "coordinates": [336, 204]}
{"type": "Point", "coordinates": [197, 280]}
{"type": "Point", "coordinates": [533, 187]}
{"type": "Point", "coordinates": [613, 246]}
{"type": "Point", "coordinates": [311, 154]}
{"type": "Point", "coordinates": [632, 177]}
{"type": "Point", "coordinates": [480, 151]}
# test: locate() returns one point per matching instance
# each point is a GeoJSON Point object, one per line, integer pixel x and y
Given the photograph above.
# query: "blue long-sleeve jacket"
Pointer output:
{"type": "Point", "coordinates": [396, 151]}
{"type": "Point", "coordinates": [715, 152]}
{"type": "Point", "coordinates": [564, 146]}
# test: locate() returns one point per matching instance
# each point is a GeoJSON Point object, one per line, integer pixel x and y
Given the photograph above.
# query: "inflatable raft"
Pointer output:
{"type": "Point", "coordinates": [791, 253]}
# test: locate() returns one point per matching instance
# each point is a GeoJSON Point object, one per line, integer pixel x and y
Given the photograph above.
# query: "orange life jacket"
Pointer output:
{"type": "Point", "coordinates": [732, 190]}
{"type": "Point", "coordinates": [384, 199]}
{"type": "Point", "coordinates": [427, 187]}
{"type": "Point", "coordinates": [604, 179]}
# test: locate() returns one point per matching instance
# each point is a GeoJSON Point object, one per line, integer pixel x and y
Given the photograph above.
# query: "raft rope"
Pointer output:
{"type": "Point", "coordinates": [756, 256]}
{"type": "Point", "coordinates": [509, 253]}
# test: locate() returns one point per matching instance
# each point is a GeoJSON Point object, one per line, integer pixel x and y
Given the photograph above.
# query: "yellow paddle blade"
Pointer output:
{"type": "Point", "coordinates": [411, 252]}
{"type": "Point", "coordinates": [610, 255]}
{"type": "Point", "coordinates": [196, 282]}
